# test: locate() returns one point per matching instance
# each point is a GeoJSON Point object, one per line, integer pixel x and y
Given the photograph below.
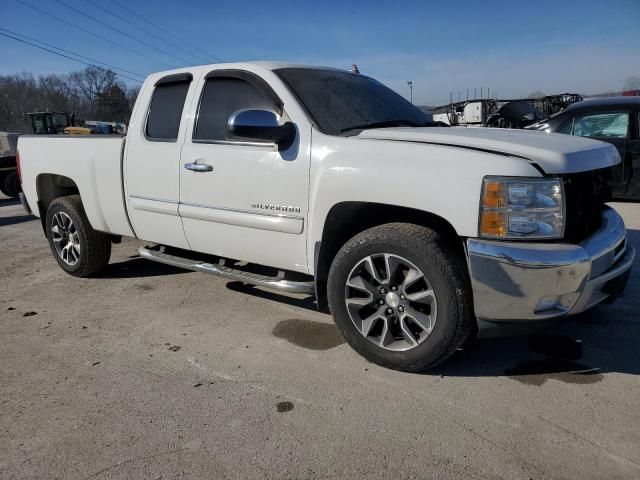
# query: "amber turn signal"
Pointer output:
{"type": "Point", "coordinates": [494, 224]}
{"type": "Point", "coordinates": [494, 195]}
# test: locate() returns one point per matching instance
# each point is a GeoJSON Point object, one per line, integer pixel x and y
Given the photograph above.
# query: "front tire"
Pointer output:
{"type": "Point", "coordinates": [80, 250]}
{"type": "Point", "coordinates": [400, 296]}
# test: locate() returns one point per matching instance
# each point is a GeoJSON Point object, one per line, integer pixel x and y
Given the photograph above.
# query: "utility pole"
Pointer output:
{"type": "Point", "coordinates": [410, 83]}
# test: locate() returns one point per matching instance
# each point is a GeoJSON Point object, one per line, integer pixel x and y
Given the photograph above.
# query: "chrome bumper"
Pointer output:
{"type": "Point", "coordinates": [529, 281]}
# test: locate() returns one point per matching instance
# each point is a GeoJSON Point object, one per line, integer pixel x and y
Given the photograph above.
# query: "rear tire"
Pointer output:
{"type": "Point", "coordinates": [11, 185]}
{"type": "Point", "coordinates": [80, 250]}
{"type": "Point", "coordinates": [417, 324]}
{"type": "Point", "coordinates": [2, 177]}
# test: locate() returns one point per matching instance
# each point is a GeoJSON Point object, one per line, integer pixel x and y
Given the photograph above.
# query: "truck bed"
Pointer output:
{"type": "Point", "coordinates": [93, 162]}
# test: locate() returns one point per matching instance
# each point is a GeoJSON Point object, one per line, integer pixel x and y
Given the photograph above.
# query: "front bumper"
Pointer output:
{"type": "Point", "coordinates": [530, 281]}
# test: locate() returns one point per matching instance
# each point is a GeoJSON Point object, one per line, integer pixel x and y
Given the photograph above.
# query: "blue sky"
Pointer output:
{"type": "Point", "coordinates": [511, 47]}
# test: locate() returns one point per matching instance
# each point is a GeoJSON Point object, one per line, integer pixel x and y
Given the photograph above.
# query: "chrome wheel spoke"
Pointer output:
{"type": "Point", "coordinates": [360, 284]}
{"type": "Point", "coordinates": [424, 321]}
{"type": "Point", "coordinates": [371, 270]}
{"type": "Point", "coordinates": [361, 302]}
{"type": "Point", "coordinates": [423, 296]}
{"type": "Point", "coordinates": [370, 321]}
{"type": "Point", "coordinates": [386, 338]}
{"type": "Point", "coordinates": [413, 275]}
{"type": "Point", "coordinates": [407, 333]}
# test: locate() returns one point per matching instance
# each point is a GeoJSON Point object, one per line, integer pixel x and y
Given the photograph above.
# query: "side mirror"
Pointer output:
{"type": "Point", "coordinates": [261, 125]}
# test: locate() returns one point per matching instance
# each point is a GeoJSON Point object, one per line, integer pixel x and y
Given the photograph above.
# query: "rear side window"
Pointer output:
{"type": "Point", "coordinates": [163, 122]}
{"type": "Point", "coordinates": [602, 125]}
{"type": "Point", "coordinates": [222, 96]}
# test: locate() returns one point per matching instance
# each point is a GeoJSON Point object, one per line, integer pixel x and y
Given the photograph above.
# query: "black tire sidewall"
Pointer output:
{"type": "Point", "coordinates": [11, 184]}
{"type": "Point", "coordinates": [437, 343]}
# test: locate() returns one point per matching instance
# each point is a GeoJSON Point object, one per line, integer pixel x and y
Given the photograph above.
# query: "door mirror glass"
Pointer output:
{"type": "Point", "coordinates": [261, 125]}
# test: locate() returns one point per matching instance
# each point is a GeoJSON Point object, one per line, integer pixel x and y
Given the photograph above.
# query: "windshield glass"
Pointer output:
{"type": "Point", "coordinates": [341, 102]}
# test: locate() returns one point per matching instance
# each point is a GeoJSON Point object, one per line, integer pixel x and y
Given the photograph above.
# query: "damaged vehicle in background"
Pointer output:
{"type": "Point", "coordinates": [615, 120]}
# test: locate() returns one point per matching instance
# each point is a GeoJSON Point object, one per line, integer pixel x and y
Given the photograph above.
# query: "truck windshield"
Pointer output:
{"type": "Point", "coordinates": [343, 103]}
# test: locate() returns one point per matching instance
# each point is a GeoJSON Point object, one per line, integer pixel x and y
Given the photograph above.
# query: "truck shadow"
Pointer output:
{"type": "Point", "coordinates": [139, 268]}
{"type": "Point", "coordinates": [5, 221]}
{"type": "Point", "coordinates": [6, 201]}
{"type": "Point", "coordinates": [307, 303]}
{"type": "Point", "coordinates": [580, 350]}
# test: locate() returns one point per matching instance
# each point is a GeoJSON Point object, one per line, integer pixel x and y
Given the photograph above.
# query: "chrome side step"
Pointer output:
{"type": "Point", "coordinates": [273, 283]}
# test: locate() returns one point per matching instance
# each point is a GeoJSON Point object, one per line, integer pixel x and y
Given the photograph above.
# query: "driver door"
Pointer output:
{"type": "Point", "coordinates": [244, 200]}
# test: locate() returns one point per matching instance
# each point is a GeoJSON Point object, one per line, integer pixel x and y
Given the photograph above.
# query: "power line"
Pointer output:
{"type": "Point", "coordinates": [121, 32]}
{"type": "Point", "coordinates": [105, 39]}
{"type": "Point", "coordinates": [63, 55]}
{"type": "Point", "coordinates": [157, 37]}
{"type": "Point", "coordinates": [93, 60]}
{"type": "Point", "coordinates": [208, 55]}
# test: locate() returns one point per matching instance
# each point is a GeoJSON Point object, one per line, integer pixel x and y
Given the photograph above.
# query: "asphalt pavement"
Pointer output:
{"type": "Point", "coordinates": [153, 372]}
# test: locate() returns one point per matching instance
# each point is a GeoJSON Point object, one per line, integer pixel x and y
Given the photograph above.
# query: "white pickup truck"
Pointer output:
{"type": "Point", "coordinates": [325, 182]}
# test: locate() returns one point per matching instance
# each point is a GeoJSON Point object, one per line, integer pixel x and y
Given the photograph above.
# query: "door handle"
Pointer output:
{"type": "Point", "coordinates": [198, 167]}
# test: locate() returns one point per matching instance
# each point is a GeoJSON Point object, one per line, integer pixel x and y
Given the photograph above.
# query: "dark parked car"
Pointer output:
{"type": "Point", "coordinates": [615, 120]}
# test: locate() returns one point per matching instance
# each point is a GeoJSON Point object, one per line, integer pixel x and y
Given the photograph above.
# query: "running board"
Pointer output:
{"type": "Point", "coordinates": [273, 283]}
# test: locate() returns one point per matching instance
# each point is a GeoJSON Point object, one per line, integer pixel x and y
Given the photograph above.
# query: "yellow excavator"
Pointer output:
{"type": "Point", "coordinates": [55, 123]}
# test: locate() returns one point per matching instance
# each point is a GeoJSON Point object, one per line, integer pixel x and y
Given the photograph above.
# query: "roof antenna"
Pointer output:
{"type": "Point", "coordinates": [354, 68]}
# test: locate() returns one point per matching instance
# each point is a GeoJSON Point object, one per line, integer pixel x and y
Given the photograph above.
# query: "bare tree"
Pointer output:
{"type": "Point", "coordinates": [91, 82]}
{"type": "Point", "coordinates": [92, 94]}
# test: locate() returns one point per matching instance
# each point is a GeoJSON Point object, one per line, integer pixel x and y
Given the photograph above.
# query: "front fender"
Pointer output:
{"type": "Point", "coordinates": [441, 180]}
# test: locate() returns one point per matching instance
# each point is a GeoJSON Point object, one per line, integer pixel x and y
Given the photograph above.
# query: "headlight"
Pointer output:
{"type": "Point", "coordinates": [522, 208]}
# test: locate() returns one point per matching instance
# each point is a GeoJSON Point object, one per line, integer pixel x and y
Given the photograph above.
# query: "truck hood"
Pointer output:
{"type": "Point", "coordinates": [553, 152]}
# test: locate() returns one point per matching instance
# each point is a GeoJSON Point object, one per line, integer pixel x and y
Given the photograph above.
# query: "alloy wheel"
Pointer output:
{"type": "Point", "coordinates": [65, 238]}
{"type": "Point", "coordinates": [391, 302]}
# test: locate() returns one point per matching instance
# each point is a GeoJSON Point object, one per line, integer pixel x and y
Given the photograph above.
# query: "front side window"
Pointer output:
{"type": "Point", "coordinates": [341, 102]}
{"type": "Point", "coordinates": [223, 96]}
{"type": "Point", "coordinates": [602, 125]}
{"type": "Point", "coordinates": [165, 112]}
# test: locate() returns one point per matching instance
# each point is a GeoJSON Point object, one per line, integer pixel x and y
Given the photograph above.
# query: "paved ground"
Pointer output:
{"type": "Point", "coordinates": [151, 372]}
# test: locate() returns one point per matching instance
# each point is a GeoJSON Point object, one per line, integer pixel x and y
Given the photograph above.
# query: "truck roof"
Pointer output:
{"type": "Point", "coordinates": [269, 65]}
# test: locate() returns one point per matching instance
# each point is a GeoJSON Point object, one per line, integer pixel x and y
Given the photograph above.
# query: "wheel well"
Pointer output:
{"type": "Point", "coordinates": [347, 219]}
{"type": "Point", "coordinates": [50, 186]}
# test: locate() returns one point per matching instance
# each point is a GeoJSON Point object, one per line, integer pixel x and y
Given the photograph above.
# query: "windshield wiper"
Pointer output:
{"type": "Point", "coordinates": [385, 123]}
